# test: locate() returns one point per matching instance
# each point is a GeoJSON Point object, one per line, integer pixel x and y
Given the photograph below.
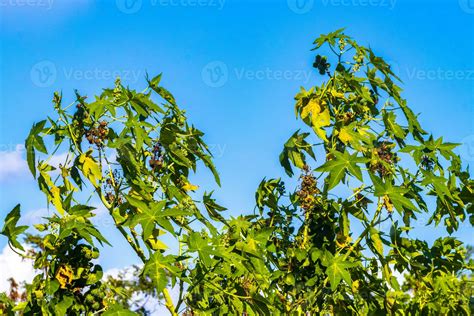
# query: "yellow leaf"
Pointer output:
{"type": "Point", "coordinates": [376, 241]}
{"type": "Point", "coordinates": [337, 94]}
{"type": "Point", "coordinates": [320, 117]}
{"type": "Point", "coordinates": [190, 187]}
{"type": "Point", "coordinates": [90, 168]}
{"type": "Point", "coordinates": [355, 286]}
{"type": "Point", "coordinates": [54, 194]}
{"type": "Point", "coordinates": [156, 244]}
{"type": "Point", "coordinates": [56, 199]}
{"type": "Point", "coordinates": [64, 276]}
{"type": "Point", "coordinates": [344, 136]}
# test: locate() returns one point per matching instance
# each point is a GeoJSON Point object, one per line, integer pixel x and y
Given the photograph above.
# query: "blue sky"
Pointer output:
{"type": "Point", "coordinates": [235, 66]}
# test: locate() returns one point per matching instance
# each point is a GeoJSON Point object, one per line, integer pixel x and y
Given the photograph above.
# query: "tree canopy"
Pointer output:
{"type": "Point", "coordinates": [361, 159]}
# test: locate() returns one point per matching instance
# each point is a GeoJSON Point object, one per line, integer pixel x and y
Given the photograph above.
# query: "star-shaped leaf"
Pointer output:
{"type": "Point", "coordinates": [339, 164]}
{"type": "Point", "coordinates": [336, 270]}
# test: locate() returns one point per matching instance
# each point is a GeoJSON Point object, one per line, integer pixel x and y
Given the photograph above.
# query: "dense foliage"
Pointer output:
{"type": "Point", "coordinates": [362, 160]}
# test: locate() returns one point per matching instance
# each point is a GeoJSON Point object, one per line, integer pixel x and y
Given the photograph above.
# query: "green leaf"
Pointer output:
{"type": "Point", "coordinates": [293, 151]}
{"type": "Point", "coordinates": [30, 156]}
{"type": "Point", "coordinates": [155, 270]}
{"type": "Point", "coordinates": [32, 142]}
{"type": "Point", "coordinates": [117, 310]}
{"type": "Point", "coordinates": [148, 215]}
{"type": "Point", "coordinates": [213, 208]}
{"type": "Point", "coordinates": [155, 82]}
{"type": "Point", "coordinates": [61, 308]}
{"type": "Point", "coordinates": [290, 279]}
{"type": "Point", "coordinates": [11, 230]}
{"type": "Point", "coordinates": [20, 307]}
{"type": "Point", "coordinates": [336, 270]}
{"type": "Point", "coordinates": [209, 164]}
{"type": "Point", "coordinates": [339, 164]}
{"type": "Point", "coordinates": [197, 243]}
{"type": "Point", "coordinates": [376, 240]}
{"type": "Point", "coordinates": [51, 287]}
{"type": "Point", "coordinates": [96, 108]}
{"type": "Point", "coordinates": [395, 193]}
{"type": "Point", "coordinates": [389, 119]}
{"type": "Point", "coordinates": [144, 102]}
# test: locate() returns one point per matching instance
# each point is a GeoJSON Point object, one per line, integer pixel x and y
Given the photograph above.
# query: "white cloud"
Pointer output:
{"type": "Point", "coordinates": [153, 305]}
{"type": "Point", "coordinates": [14, 266]}
{"type": "Point", "coordinates": [12, 163]}
{"type": "Point", "coordinates": [60, 159]}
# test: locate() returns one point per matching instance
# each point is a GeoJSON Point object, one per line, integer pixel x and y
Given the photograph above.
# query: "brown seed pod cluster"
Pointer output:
{"type": "Point", "coordinates": [97, 135]}
{"type": "Point", "coordinates": [156, 162]}
{"type": "Point", "coordinates": [386, 158]}
{"type": "Point", "coordinates": [347, 117]}
{"type": "Point", "coordinates": [15, 294]}
{"type": "Point", "coordinates": [308, 190]}
{"type": "Point", "coordinates": [110, 186]}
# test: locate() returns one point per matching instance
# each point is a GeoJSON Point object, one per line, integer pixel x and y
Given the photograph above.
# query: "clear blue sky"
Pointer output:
{"type": "Point", "coordinates": [258, 55]}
